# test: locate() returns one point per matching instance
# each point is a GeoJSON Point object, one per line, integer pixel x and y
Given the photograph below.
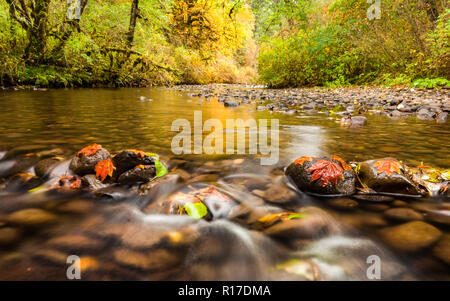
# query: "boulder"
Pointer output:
{"type": "Point", "coordinates": [84, 163]}
{"type": "Point", "coordinates": [44, 167]}
{"type": "Point", "coordinates": [322, 176]}
{"type": "Point", "coordinates": [386, 175]}
{"type": "Point", "coordinates": [128, 159]}
{"type": "Point", "coordinates": [137, 175]}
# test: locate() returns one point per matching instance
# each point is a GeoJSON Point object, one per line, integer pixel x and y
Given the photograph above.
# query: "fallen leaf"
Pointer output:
{"type": "Point", "coordinates": [326, 171]}
{"type": "Point", "coordinates": [301, 160]}
{"type": "Point", "coordinates": [343, 163]}
{"type": "Point", "coordinates": [104, 168]}
{"type": "Point", "coordinates": [90, 150]}
{"type": "Point", "coordinates": [387, 166]}
{"type": "Point", "coordinates": [196, 210]}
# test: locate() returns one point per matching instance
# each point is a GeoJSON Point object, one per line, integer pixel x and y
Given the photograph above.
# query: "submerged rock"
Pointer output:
{"type": "Point", "coordinates": [32, 217]}
{"type": "Point", "coordinates": [44, 167]}
{"type": "Point", "coordinates": [386, 175]}
{"type": "Point", "coordinates": [322, 175]}
{"type": "Point", "coordinates": [403, 214]}
{"type": "Point", "coordinates": [442, 249]}
{"type": "Point", "coordinates": [410, 237]}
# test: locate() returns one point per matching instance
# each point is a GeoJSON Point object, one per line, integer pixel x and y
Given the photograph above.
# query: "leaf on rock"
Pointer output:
{"type": "Point", "coordinates": [271, 219]}
{"type": "Point", "coordinates": [196, 210]}
{"type": "Point", "coordinates": [301, 160]}
{"type": "Point", "coordinates": [137, 152]}
{"type": "Point", "coordinates": [104, 168]}
{"type": "Point", "coordinates": [326, 171]}
{"type": "Point", "coordinates": [343, 163]}
{"type": "Point", "coordinates": [90, 150]}
{"type": "Point", "coordinates": [387, 166]}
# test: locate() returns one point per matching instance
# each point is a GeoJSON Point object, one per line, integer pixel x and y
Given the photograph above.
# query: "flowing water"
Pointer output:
{"type": "Point", "coordinates": [123, 240]}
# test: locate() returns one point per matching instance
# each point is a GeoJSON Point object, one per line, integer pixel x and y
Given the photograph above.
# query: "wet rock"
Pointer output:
{"type": "Point", "coordinates": [76, 206]}
{"type": "Point", "coordinates": [374, 198]}
{"type": "Point", "coordinates": [44, 167]}
{"type": "Point", "coordinates": [438, 216]}
{"type": "Point", "coordinates": [9, 235]}
{"type": "Point", "coordinates": [386, 175]}
{"type": "Point", "coordinates": [138, 174]}
{"type": "Point", "coordinates": [145, 261]}
{"type": "Point", "coordinates": [442, 117]}
{"type": "Point", "coordinates": [376, 207]}
{"type": "Point", "coordinates": [354, 122]}
{"type": "Point", "coordinates": [113, 193]}
{"type": "Point", "coordinates": [18, 165]}
{"type": "Point", "coordinates": [306, 226]}
{"type": "Point", "coordinates": [260, 108]}
{"type": "Point", "coordinates": [92, 183]}
{"type": "Point", "coordinates": [160, 186]}
{"type": "Point", "coordinates": [23, 182]}
{"type": "Point", "coordinates": [345, 204]}
{"type": "Point", "coordinates": [403, 214]}
{"type": "Point", "coordinates": [83, 164]}
{"type": "Point", "coordinates": [205, 178]}
{"type": "Point", "coordinates": [230, 103]}
{"type": "Point", "coordinates": [129, 159]}
{"type": "Point", "coordinates": [51, 256]}
{"type": "Point", "coordinates": [32, 217]}
{"type": "Point", "coordinates": [322, 176]}
{"type": "Point", "coordinates": [278, 193]}
{"type": "Point", "coordinates": [67, 184]}
{"type": "Point", "coordinates": [410, 237]}
{"type": "Point", "coordinates": [75, 243]}
{"type": "Point", "coordinates": [442, 249]}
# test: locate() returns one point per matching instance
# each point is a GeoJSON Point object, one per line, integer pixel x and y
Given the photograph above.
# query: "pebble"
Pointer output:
{"type": "Point", "coordinates": [9, 235]}
{"type": "Point", "coordinates": [343, 204]}
{"type": "Point", "coordinates": [442, 249]}
{"type": "Point", "coordinates": [32, 217]}
{"type": "Point", "coordinates": [410, 237]}
{"type": "Point", "coordinates": [76, 243]}
{"type": "Point", "coordinates": [403, 214]}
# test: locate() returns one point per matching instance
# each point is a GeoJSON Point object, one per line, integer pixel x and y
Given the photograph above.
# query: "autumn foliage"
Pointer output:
{"type": "Point", "coordinates": [327, 171]}
{"type": "Point", "coordinates": [387, 166]}
{"type": "Point", "coordinates": [89, 150]}
{"type": "Point", "coordinates": [104, 168]}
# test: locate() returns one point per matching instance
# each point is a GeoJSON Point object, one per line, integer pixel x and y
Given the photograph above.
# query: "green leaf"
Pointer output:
{"type": "Point", "coordinates": [296, 215]}
{"type": "Point", "coordinates": [196, 210]}
{"type": "Point", "coordinates": [161, 170]}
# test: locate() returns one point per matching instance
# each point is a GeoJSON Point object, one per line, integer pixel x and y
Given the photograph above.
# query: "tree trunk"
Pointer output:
{"type": "Point", "coordinates": [133, 18]}
{"type": "Point", "coordinates": [74, 11]}
{"type": "Point", "coordinates": [37, 33]}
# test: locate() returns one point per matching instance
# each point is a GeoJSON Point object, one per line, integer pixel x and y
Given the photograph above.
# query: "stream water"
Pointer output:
{"type": "Point", "coordinates": [122, 240]}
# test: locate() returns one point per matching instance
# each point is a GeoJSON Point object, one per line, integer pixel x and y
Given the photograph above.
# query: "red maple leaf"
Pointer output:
{"type": "Point", "coordinates": [387, 166]}
{"type": "Point", "coordinates": [301, 160]}
{"type": "Point", "coordinates": [343, 163]}
{"type": "Point", "coordinates": [90, 150]}
{"type": "Point", "coordinates": [326, 171]}
{"type": "Point", "coordinates": [104, 168]}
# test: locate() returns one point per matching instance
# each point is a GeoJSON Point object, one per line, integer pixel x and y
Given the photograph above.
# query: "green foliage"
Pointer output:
{"type": "Point", "coordinates": [333, 43]}
{"type": "Point", "coordinates": [94, 50]}
{"type": "Point", "coordinates": [431, 83]}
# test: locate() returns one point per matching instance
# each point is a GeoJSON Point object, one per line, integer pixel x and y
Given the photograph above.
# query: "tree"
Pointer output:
{"type": "Point", "coordinates": [33, 17]}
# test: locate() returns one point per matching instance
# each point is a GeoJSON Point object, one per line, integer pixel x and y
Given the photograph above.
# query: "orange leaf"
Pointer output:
{"type": "Point", "coordinates": [343, 163]}
{"type": "Point", "coordinates": [301, 160]}
{"type": "Point", "coordinates": [387, 166]}
{"type": "Point", "coordinates": [89, 150]}
{"type": "Point", "coordinates": [326, 171]}
{"type": "Point", "coordinates": [104, 168]}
